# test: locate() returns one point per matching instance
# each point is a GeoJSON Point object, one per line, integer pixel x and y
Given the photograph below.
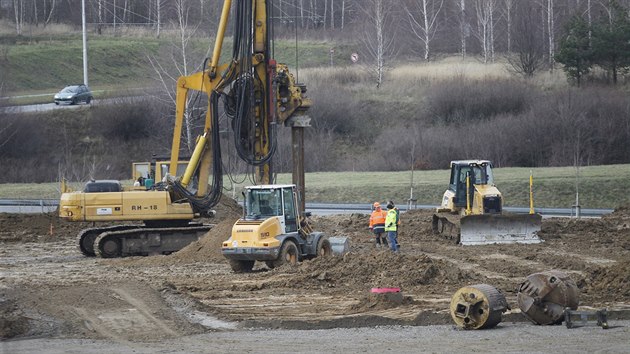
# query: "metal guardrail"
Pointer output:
{"type": "Point", "coordinates": [516, 210]}
{"type": "Point", "coordinates": [48, 205]}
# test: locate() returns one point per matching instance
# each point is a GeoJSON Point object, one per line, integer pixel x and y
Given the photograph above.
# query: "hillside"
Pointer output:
{"type": "Point", "coordinates": [45, 63]}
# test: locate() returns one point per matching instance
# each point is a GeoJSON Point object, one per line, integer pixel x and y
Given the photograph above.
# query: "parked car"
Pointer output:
{"type": "Point", "coordinates": [74, 94]}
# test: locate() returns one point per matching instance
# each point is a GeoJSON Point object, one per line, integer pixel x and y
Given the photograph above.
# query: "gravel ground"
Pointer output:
{"type": "Point", "coordinates": [506, 338]}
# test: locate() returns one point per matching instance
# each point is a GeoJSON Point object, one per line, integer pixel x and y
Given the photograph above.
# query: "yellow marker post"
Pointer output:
{"type": "Point", "coordinates": [468, 210]}
{"type": "Point", "coordinates": [531, 192]}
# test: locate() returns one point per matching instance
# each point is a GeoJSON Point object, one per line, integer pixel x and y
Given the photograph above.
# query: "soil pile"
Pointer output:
{"type": "Point", "coordinates": [208, 248]}
{"type": "Point", "coordinates": [361, 271]}
{"type": "Point", "coordinates": [611, 283]}
{"type": "Point", "coordinates": [36, 227]}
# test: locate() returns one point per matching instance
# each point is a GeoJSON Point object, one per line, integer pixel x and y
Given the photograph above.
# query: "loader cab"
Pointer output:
{"type": "Point", "coordinates": [266, 201]}
{"type": "Point", "coordinates": [480, 172]}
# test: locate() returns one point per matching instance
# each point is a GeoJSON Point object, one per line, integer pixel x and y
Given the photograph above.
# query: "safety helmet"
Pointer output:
{"type": "Point", "coordinates": [376, 205]}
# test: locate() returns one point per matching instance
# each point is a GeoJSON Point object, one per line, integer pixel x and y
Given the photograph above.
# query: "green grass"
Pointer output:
{"type": "Point", "coordinates": [600, 186]}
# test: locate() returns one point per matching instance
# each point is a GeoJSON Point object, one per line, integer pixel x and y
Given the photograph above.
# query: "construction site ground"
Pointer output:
{"type": "Point", "coordinates": [48, 289]}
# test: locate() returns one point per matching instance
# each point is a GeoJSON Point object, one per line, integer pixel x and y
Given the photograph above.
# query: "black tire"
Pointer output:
{"type": "Point", "coordinates": [110, 248]}
{"type": "Point", "coordinates": [241, 266]}
{"type": "Point", "coordinates": [56, 103]}
{"type": "Point", "coordinates": [88, 100]}
{"type": "Point", "coordinates": [324, 248]}
{"type": "Point", "coordinates": [270, 264]}
{"type": "Point", "coordinates": [74, 101]}
{"type": "Point", "coordinates": [288, 254]}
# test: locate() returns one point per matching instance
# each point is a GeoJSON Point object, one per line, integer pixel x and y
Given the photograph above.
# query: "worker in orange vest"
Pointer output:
{"type": "Point", "coordinates": [377, 224]}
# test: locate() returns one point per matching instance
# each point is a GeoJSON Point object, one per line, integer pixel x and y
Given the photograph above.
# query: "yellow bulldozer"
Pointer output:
{"type": "Point", "coordinates": [471, 212]}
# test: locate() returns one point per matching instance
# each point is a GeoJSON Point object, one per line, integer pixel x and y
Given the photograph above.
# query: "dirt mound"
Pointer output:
{"type": "Point", "coordinates": [227, 208]}
{"type": "Point", "coordinates": [36, 227]}
{"type": "Point", "coordinates": [208, 248]}
{"type": "Point", "coordinates": [361, 271]}
{"type": "Point", "coordinates": [611, 283]}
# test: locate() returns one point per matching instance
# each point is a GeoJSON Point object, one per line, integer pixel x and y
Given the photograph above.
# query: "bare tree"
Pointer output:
{"type": "Point", "coordinates": [551, 28]}
{"type": "Point", "coordinates": [485, 27]}
{"type": "Point", "coordinates": [529, 50]}
{"type": "Point", "coordinates": [422, 19]}
{"type": "Point", "coordinates": [50, 13]}
{"type": "Point", "coordinates": [378, 36]}
{"type": "Point", "coordinates": [169, 70]}
{"type": "Point", "coordinates": [464, 27]}
{"type": "Point", "coordinates": [18, 9]}
{"type": "Point", "coordinates": [509, 5]}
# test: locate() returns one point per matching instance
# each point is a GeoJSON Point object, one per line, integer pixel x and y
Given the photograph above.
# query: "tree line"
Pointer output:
{"type": "Point", "coordinates": [531, 35]}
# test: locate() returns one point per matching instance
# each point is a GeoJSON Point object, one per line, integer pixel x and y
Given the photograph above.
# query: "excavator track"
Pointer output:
{"type": "Point", "coordinates": [145, 241]}
{"type": "Point", "coordinates": [85, 238]}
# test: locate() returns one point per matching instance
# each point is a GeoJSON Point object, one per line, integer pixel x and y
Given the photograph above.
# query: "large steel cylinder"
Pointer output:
{"type": "Point", "coordinates": [477, 306]}
{"type": "Point", "coordinates": [543, 297]}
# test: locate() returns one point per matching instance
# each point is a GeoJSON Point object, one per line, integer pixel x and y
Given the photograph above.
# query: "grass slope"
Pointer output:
{"type": "Point", "coordinates": [600, 186]}
{"type": "Point", "coordinates": [46, 63]}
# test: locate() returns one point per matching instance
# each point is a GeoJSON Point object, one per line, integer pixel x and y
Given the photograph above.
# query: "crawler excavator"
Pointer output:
{"type": "Point", "coordinates": [471, 212]}
{"type": "Point", "coordinates": [259, 95]}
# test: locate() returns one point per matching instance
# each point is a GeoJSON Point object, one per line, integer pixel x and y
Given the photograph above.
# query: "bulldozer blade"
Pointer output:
{"type": "Point", "coordinates": [489, 229]}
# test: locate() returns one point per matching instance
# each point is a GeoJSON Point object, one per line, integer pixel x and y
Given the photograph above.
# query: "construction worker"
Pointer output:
{"type": "Point", "coordinates": [377, 224]}
{"type": "Point", "coordinates": [391, 226]}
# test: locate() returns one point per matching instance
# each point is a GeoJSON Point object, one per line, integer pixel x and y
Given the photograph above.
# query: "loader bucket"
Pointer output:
{"type": "Point", "coordinates": [489, 229]}
{"type": "Point", "coordinates": [340, 245]}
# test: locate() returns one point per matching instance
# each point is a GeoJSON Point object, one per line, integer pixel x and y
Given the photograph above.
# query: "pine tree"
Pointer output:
{"type": "Point", "coordinates": [611, 41]}
{"type": "Point", "coordinates": [575, 51]}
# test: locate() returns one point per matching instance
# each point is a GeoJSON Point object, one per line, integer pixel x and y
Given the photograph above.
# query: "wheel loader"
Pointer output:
{"type": "Point", "coordinates": [272, 231]}
{"type": "Point", "coordinates": [471, 212]}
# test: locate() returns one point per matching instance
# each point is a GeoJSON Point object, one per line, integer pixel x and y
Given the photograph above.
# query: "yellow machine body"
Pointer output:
{"type": "Point", "coordinates": [122, 206]}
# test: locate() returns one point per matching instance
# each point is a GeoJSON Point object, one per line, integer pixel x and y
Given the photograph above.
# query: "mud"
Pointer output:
{"type": "Point", "coordinates": [47, 288]}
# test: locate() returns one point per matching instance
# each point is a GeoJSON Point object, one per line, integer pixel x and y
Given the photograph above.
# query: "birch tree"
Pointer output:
{"type": "Point", "coordinates": [509, 5]}
{"type": "Point", "coordinates": [422, 20]}
{"type": "Point", "coordinates": [168, 69]}
{"type": "Point", "coordinates": [464, 27]}
{"type": "Point", "coordinates": [378, 36]}
{"type": "Point", "coordinates": [551, 29]}
{"type": "Point", "coordinates": [485, 27]}
{"type": "Point", "coordinates": [18, 9]}
{"type": "Point", "coordinates": [50, 13]}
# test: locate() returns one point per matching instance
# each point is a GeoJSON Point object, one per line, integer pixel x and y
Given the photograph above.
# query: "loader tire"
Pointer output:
{"type": "Point", "coordinates": [288, 254]}
{"type": "Point", "coordinates": [324, 248]}
{"type": "Point", "coordinates": [241, 266]}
